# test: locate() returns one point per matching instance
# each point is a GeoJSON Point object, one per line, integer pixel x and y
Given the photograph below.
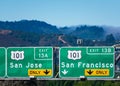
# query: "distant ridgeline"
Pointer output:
{"type": "Point", "coordinates": [30, 26]}
{"type": "Point", "coordinates": [33, 32]}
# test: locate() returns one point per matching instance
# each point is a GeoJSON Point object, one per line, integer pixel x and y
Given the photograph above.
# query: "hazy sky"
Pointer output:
{"type": "Point", "coordinates": [63, 12]}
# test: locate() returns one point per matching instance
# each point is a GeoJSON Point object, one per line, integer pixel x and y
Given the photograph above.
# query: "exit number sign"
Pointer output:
{"type": "Point", "coordinates": [90, 62]}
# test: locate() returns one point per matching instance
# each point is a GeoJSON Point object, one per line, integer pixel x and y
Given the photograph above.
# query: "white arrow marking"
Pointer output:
{"type": "Point", "coordinates": [64, 72]}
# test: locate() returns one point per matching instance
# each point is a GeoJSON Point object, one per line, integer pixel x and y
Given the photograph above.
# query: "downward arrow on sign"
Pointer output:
{"type": "Point", "coordinates": [46, 71]}
{"type": "Point", "coordinates": [64, 72]}
{"type": "Point", "coordinates": [89, 72]}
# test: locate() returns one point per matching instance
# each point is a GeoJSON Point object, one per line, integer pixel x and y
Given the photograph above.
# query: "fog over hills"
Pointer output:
{"type": "Point", "coordinates": [107, 30]}
{"type": "Point", "coordinates": [112, 30]}
{"type": "Point", "coordinates": [43, 28]}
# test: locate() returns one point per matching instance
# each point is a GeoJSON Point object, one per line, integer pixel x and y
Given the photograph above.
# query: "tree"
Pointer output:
{"type": "Point", "coordinates": [110, 40]}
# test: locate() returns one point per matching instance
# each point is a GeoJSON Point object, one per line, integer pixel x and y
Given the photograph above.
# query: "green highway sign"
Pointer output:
{"type": "Point", "coordinates": [2, 62]}
{"type": "Point", "coordinates": [91, 62]}
{"type": "Point", "coordinates": [29, 62]}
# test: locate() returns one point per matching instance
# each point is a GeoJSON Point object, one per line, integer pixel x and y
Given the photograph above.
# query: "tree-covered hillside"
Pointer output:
{"type": "Point", "coordinates": [89, 32]}
{"type": "Point", "coordinates": [30, 26]}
